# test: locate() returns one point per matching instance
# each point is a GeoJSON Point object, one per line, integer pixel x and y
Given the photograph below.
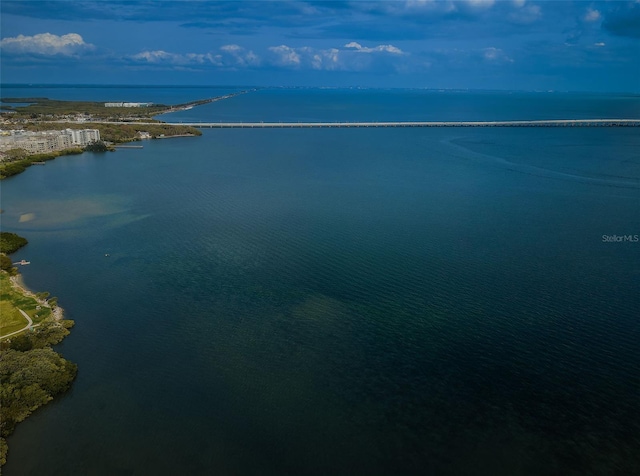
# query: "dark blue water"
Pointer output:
{"type": "Point", "coordinates": [336, 105]}
{"type": "Point", "coordinates": [356, 301]}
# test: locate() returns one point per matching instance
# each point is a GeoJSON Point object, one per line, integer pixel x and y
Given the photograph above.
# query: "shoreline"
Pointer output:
{"type": "Point", "coordinates": [126, 131]}
{"type": "Point", "coordinates": [17, 282]}
{"type": "Point", "coordinates": [200, 102]}
{"type": "Point", "coordinates": [33, 372]}
{"type": "Point", "coordinates": [16, 167]}
{"type": "Point", "coordinates": [177, 135]}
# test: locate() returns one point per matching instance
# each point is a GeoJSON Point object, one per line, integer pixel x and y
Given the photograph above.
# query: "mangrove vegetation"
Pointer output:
{"type": "Point", "coordinates": [31, 372]}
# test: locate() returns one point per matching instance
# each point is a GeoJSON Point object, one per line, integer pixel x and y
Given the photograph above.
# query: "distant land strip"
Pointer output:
{"type": "Point", "coordinates": [537, 123]}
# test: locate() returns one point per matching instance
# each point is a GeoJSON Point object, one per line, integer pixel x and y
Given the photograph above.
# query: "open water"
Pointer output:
{"type": "Point", "coordinates": [342, 301]}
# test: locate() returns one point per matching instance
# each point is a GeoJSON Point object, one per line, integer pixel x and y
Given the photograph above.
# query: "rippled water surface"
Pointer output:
{"type": "Point", "coordinates": [356, 301]}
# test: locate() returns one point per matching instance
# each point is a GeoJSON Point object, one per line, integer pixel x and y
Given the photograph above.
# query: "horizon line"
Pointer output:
{"type": "Point", "coordinates": [353, 87]}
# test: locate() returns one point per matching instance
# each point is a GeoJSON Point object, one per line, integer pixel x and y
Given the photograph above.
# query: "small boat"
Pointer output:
{"type": "Point", "coordinates": [23, 262]}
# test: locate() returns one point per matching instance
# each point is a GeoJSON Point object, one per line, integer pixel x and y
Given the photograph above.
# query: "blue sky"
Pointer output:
{"type": "Point", "coordinates": [472, 44]}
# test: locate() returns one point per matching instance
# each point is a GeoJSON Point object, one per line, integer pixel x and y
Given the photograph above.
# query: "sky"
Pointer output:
{"type": "Point", "coordinates": [440, 44]}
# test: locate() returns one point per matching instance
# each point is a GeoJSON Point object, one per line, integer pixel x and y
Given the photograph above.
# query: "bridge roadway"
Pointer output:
{"type": "Point", "coordinates": [539, 123]}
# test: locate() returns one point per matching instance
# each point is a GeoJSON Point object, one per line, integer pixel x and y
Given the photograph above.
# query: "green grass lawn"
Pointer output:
{"type": "Point", "coordinates": [11, 319]}
{"type": "Point", "coordinates": [10, 301]}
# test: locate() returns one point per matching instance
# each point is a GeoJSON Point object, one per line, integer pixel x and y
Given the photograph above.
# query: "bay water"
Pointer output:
{"type": "Point", "coordinates": [341, 301]}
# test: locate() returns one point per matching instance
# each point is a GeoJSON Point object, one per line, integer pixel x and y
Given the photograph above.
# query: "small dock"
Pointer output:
{"type": "Point", "coordinates": [38, 163]}
{"type": "Point", "coordinates": [128, 146]}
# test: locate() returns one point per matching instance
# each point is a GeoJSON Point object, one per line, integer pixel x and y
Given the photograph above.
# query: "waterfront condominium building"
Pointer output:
{"type": "Point", "coordinates": [47, 141]}
{"type": "Point", "coordinates": [83, 136]}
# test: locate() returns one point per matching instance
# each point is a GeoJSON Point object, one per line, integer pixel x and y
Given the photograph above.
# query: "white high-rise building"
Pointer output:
{"type": "Point", "coordinates": [63, 141]}
{"type": "Point", "coordinates": [92, 135]}
{"type": "Point", "coordinates": [83, 136]}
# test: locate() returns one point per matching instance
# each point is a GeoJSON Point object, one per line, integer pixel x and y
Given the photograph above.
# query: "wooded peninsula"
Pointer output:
{"type": "Point", "coordinates": [117, 123]}
{"type": "Point", "coordinates": [31, 372]}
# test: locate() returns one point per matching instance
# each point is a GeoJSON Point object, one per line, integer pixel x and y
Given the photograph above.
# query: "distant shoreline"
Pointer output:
{"type": "Point", "coordinates": [363, 124]}
{"type": "Point", "coordinates": [192, 104]}
{"type": "Point", "coordinates": [43, 114]}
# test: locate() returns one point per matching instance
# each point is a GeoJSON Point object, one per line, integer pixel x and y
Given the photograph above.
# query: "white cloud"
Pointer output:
{"type": "Point", "coordinates": [495, 55]}
{"type": "Point", "coordinates": [164, 57]}
{"type": "Point", "coordinates": [480, 3]}
{"type": "Point", "coordinates": [592, 15]}
{"type": "Point", "coordinates": [326, 59]}
{"type": "Point", "coordinates": [376, 49]}
{"type": "Point", "coordinates": [237, 56]}
{"type": "Point", "coordinates": [157, 56]}
{"type": "Point", "coordinates": [231, 48]}
{"type": "Point", "coordinates": [329, 59]}
{"type": "Point", "coordinates": [419, 3]}
{"type": "Point", "coordinates": [351, 57]}
{"type": "Point", "coordinates": [45, 44]}
{"type": "Point", "coordinates": [525, 14]}
{"type": "Point", "coordinates": [230, 56]}
{"type": "Point", "coordinates": [285, 55]}
{"type": "Point", "coordinates": [422, 6]}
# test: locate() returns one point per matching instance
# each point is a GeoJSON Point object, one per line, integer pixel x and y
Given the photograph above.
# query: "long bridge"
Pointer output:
{"type": "Point", "coordinates": [537, 123]}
